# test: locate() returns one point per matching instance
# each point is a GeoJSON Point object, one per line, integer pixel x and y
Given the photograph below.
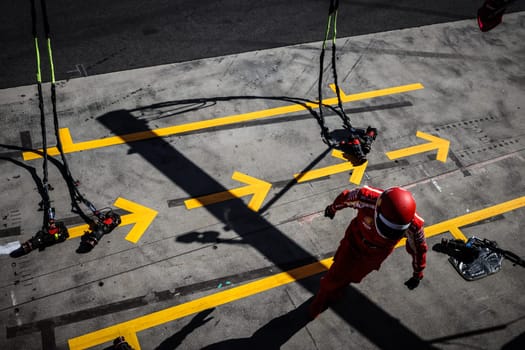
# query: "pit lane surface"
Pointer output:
{"type": "Point", "coordinates": [211, 275]}
{"type": "Point", "coordinates": [95, 37]}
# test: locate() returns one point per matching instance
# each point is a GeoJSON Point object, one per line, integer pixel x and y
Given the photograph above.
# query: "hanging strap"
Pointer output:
{"type": "Point", "coordinates": [344, 117]}
{"type": "Point", "coordinates": [67, 172]}
{"type": "Point", "coordinates": [46, 201]}
{"type": "Point", "coordinates": [53, 89]}
{"type": "Point", "coordinates": [331, 24]}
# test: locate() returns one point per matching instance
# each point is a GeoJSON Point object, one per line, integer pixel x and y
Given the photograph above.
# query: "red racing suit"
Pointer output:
{"type": "Point", "coordinates": [363, 248]}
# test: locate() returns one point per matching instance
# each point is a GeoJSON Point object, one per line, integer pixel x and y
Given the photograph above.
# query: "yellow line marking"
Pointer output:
{"type": "Point", "coordinates": [77, 231]}
{"type": "Point", "coordinates": [256, 187]}
{"type": "Point", "coordinates": [139, 215]}
{"type": "Point", "coordinates": [457, 234]}
{"type": "Point", "coordinates": [170, 314]}
{"type": "Point", "coordinates": [69, 146]}
{"type": "Point", "coordinates": [438, 143]}
{"type": "Point", "coordinates": [197, 305]}
{"type": "Point", "coordinates": [356, 177]}
{"type": "Point", "coordinates": [454, 224]}
{"type": "Point", "coordinates": [131, 338]}
{"type": "Point", "coordinates": [341, 93]}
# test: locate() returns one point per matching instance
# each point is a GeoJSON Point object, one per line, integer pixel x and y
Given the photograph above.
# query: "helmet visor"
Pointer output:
{"type": "Point", "coordinates": [389, 229]}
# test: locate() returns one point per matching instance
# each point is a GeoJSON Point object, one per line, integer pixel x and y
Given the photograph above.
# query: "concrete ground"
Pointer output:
{"type": "Point", "coordinates": [226, 276]}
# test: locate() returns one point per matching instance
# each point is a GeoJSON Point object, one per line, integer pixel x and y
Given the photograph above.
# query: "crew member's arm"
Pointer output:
{"type": "Point", "coordinates": [345, 199]}
{"type": "Point", "coordinates": [416, 246]}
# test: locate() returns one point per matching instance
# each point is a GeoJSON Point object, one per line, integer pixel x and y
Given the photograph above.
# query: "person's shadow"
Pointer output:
{"type": "Point", "coordinates": [176, 339]}
{"type": "Point", "coordinates": [272, 335]}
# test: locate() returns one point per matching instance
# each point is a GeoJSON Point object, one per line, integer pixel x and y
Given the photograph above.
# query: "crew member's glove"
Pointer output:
{"type": "Point", "coordinates": [413, 282]}
{"type": "Point", "coordinates": [329, 212]}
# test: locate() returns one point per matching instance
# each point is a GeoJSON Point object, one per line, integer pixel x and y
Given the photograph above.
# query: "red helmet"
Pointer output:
{"type": "Point", "coordinates": [395, 210]}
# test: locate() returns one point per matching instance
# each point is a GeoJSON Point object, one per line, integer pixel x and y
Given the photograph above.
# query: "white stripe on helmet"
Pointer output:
{"type": "Point", "coordinates": [392, 225]}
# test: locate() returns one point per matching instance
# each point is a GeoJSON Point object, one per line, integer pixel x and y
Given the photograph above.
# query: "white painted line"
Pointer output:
{"type": "Point", "coordinates": [434, 182]}
{"type": "Point", "coordinates": [9, 247]}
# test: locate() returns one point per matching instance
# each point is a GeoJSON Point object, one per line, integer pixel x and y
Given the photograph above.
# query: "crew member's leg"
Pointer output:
{"type": "Point", "coordinates": [349, 266]}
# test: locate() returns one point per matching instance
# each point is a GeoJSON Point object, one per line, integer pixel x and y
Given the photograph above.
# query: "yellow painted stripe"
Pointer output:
{"type": "Point", "coordinates": [77, 231]}
{"type": "Point", "coordinates": [454, 224]}
{"type": "Point", "coordinates": [456, 232]}
{"type": "Point", "coordinates": [157, 318]}
{"type": "Point", "coordinates": [476, 216]}
{"type": "Point", "coordinates": [326, 171]}
{"type": "Point", "coordinates": [357, 172]}
{"type": "Point", "coordinates": [216, 197]}
{"type": "Point", "coordinates": [195, 306]}
{"type": "Point", "coordinates": [69, 147]}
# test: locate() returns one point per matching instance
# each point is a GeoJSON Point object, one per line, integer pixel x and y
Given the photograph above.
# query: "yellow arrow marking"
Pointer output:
{"type": "Point", "coordinates": [170, 314]}
{"type": "Point", "coordinates": [356, 177]}
{"type": "Point", "coordinates": [257, 187]}
{"type": "Point", "coordinates": [69, 146]}
{"type": "Point", "coordinates": [438, 143]}
{"type": "Point", "coordinates": [140, 215]}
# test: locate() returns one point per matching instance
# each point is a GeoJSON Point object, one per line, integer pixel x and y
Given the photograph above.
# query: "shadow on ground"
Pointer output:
{"type": "Point", "coordinates": [271, 242]}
